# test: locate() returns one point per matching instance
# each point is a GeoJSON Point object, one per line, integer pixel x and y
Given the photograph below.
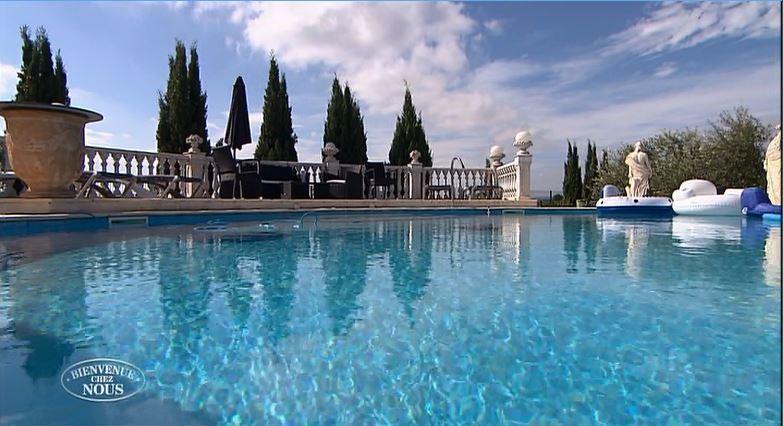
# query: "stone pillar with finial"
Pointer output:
{"type": "Point", "coordinates": [523, 159]}
{"type": "Point", "coordinates": [196, 164]}
{"type": "Point", "coordinates": [415, 176]}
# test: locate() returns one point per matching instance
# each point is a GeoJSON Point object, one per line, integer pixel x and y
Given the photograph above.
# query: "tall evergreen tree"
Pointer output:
{"type": "Point", "coordinates": [26, 81]}
{"type": "Point", "coordinates": [333, 126]}
{"type": "Point", "coordinates": [48, 85]}
{"type": "Point", "coordinates": [604, 162]}
{"type": "Point", "coordinates": [344, 125]}
{"type": "Point", "coordinates": [163, 132]}
{"type": "Point", "coordinates": [572, 176]}
{"type": "Point", "coordinates": [61, 78]}
{"type": "Point", "coordinates": [197, 100]}
{"type": "Point", "coordinates": [182, 110]}
{"type": "Point", "coordinates": [591, 172]}
{"type": "Point", "coordinates": [39, 81]}
{"type": "Point", "coordinates": [277, 140]}
{"type": "Point", "coordinates": [409, 135]}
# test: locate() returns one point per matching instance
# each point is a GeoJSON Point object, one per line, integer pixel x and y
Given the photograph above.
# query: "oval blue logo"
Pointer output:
{"type": "Point", "coordinates": [102, 380]}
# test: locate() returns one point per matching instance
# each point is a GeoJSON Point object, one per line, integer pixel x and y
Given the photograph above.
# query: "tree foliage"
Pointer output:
{"type": "Point", "coordinates": [277, 140]}
{"type": "Point", "coordinates": [409, 135]}
{"type": "Point", "coordinates": [41, 79]}
{"type": "Point", "coordinates": [182, 110]}
{"type": "Point", "coordinates": [729, 154]}
{"type": "Point", "coordinates": [590, 189]}
{"type": "Point", "coordinates": [344, 125]}
{"type": "Point", "coordinates": [572, 176]}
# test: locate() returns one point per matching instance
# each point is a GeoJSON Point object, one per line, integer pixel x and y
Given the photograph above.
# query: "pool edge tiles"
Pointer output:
{"type": "Point", "coordinates": [20, 225]}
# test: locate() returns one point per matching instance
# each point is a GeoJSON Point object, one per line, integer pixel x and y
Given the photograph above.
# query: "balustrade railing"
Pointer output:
{"type": "Point", "coordinates": [507, 180]}
{"type": "Point", "coordinates": [462, 183]}
{"type": "Point", "coordinates": [411, 181]}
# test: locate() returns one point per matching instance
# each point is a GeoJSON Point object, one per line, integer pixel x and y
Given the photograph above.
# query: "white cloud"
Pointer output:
{"type": "Point", "coordinates": [8, 81]}
{"type": "Point", "coordinates": [666, 69]}
{"type": "Point", "coordinates": [494, 26]}
{"type": "Point", "coordinates": [97, 138]}
{"type": "Point", "coordinates": [681, 25]}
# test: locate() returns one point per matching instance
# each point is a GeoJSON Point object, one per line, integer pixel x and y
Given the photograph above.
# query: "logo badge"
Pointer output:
{"type": "Point", "coordinates": [102, 380]}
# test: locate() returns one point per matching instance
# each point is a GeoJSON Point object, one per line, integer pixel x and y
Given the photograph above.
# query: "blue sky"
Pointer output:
{"type": "Point", "coordinates": [479, 72]}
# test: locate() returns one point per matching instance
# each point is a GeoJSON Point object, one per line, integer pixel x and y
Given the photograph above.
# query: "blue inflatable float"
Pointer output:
{"type": "Point", "coordinates": [756, 203]}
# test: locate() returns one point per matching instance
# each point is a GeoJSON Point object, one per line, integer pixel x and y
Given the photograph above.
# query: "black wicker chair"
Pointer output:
{"type": "Point", "coordinates": [377, 178]}
{"type": "Point", "coordinates": [281, 182]}
{"type": "Point", "coordinates": [345, 185]}
{"type": "Point", "coordinates": [234, 183]}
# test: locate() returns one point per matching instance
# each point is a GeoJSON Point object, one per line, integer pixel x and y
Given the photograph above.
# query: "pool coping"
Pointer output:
{"type": "Point", "coordinates": [20, 224]}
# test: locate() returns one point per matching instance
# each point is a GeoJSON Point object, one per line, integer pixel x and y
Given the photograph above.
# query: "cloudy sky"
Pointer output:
{"type": "Point", "coordinates": [479, 72]}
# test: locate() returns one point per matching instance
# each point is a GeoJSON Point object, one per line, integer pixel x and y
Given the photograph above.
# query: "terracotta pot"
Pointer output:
{"type": "Point", "coordinates": [46, 145]}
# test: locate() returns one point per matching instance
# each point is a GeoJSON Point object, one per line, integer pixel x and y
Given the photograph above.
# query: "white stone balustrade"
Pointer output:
{"type": "Point", "coordinates": [410, 181]}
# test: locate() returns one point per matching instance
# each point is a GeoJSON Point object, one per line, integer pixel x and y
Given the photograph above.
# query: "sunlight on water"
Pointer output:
{"type": "Point", "coordinates": [468, 319]}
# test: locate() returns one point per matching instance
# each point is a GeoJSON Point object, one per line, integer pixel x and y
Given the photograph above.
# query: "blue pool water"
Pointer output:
{"type": "Point", "coordinates": [362, 319]}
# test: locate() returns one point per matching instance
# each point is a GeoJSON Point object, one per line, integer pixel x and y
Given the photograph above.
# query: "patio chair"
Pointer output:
{"type": "Point", "coordinates": [233, 181]}
{"type": "Point", "coordinates": [281, 182]}
{"type": "Point", "coordinates": [125, 185]}
{"type": "Point", "coordinates": [377, 178]}
{"type": "Point", "coordinates": [345, 185]}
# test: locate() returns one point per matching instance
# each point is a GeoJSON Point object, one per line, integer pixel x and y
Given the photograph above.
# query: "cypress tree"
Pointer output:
{"type": "Point", "coordinates": [179, 99]}
{"type": "Point", "coordinates": [572, 176]}
{"type": "Point", "coordinates": [163, 132]}
{"type": "Point", "coordinates": [25, 84]}
{"type": "Point", "coordinates": [604, 167]}
{"type": "Point", "coordinates": [333, 126]}
{"type": "Point", "coordinates": [409, 135]}
{"type": "Point", "coordinates": [344, 125]}
{"type": "Point", "coordinates": [591, 171]}
{"type": "Point", "coordinates": [197, 100]}
{"type": "Point", "coordinates": [288, 138]}
{"type": "Point", "coordinates": [567, 191]}
{"type": "Point", "coordinates": [62, 80]}
{"type": "Point", "coordinates": [277, 139]}
{"type": "Point", "coordinates": [182, 110]}
{"type": "Point", "coordinates": [47, 87]}
{"type": "Point", "coordinates": [355, 138]}
{"type": "Point", "coordinates": [39, 81]}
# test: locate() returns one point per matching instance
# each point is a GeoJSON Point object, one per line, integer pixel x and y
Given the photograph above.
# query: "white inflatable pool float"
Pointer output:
{"type": "Point", "coordinates": [698, 197]}
{"type": "Point", "coordinates": [611, 203]}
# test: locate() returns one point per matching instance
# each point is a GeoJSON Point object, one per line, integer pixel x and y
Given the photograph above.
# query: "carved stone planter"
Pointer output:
{"type": "Point", "coordinates": [46, 145]}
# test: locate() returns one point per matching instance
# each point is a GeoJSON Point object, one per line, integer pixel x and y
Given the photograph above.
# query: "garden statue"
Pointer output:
{"type": "Point", "coordinates": [772, 166]}
{"type": "Point", "coordinates": [639, 172]}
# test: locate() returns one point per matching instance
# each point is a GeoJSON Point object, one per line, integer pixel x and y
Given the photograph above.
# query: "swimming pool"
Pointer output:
{"type": "Point", "coordinates": [400, 319]}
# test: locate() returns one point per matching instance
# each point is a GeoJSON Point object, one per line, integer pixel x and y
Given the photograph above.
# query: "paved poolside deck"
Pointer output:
{"type": "Point", "coordinates": [102, 206]}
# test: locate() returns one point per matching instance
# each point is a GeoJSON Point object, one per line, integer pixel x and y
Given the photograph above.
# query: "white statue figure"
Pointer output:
{"type": "Point", "coordinates": [772, 166]}
{"type": "Point", "coordinates": [639, 172]}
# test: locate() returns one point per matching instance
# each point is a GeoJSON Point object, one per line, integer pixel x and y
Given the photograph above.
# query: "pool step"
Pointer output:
{"type": "Point", "coordinates": [128, 221]}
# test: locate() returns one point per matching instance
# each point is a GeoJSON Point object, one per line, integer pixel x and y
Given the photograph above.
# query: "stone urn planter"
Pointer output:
{"type": "Point", "coordinates": [46, 145]}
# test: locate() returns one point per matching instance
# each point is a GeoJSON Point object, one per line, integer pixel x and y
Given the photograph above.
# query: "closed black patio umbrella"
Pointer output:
{"type": "Point", "coordinates": [238, 128]}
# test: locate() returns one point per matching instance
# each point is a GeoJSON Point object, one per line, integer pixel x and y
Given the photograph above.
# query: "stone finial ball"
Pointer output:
{"type": "Point", "coordinates": [496, 151]}
{"type": "Point", "coordinates": [522, 137]}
